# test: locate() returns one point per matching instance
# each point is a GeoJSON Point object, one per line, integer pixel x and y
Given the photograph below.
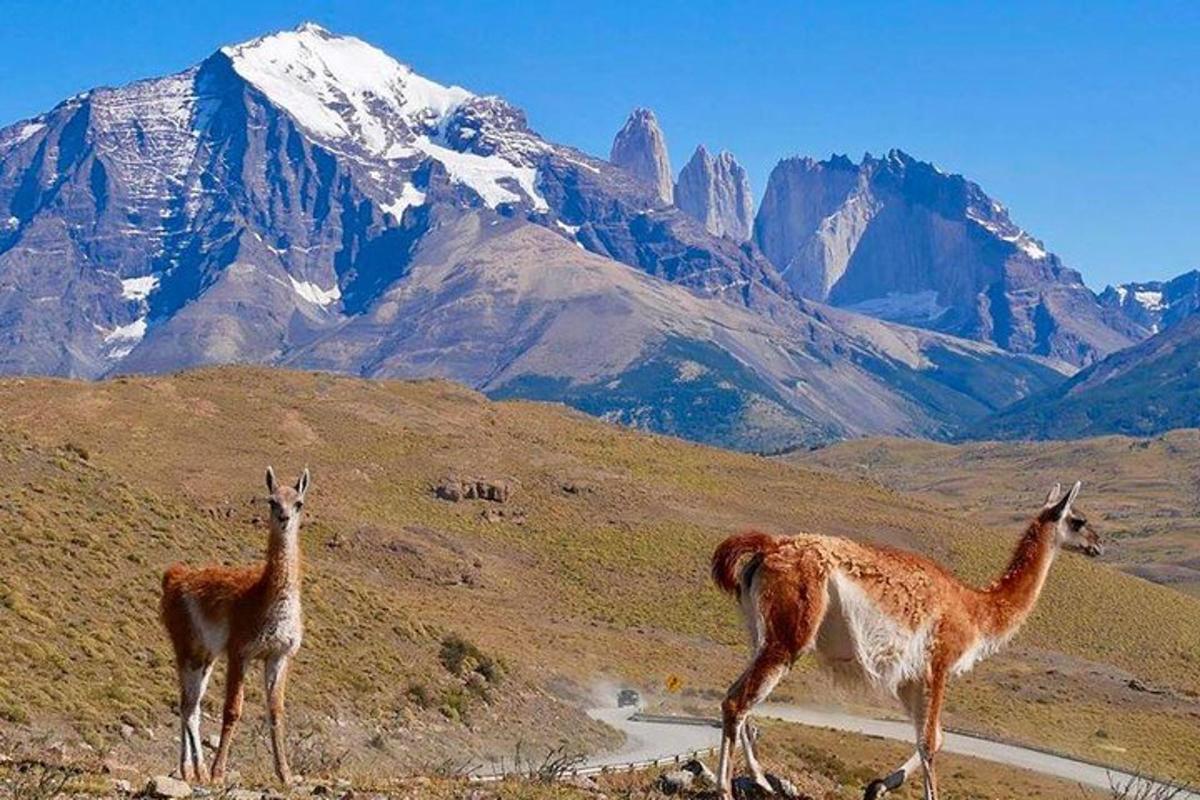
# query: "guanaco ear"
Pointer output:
{"type": "Point", "coordinates": [1052, 497]}
{"type": "Point", "coordinates": [302, 484]}
{"type": "Point", "coordinates": [272, 484]}
{"type": "Point", "coordinates": [1064, 505]}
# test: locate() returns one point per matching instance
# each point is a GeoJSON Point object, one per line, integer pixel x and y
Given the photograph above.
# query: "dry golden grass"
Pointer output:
{"type": "Point", "coordinates": [603, 577]}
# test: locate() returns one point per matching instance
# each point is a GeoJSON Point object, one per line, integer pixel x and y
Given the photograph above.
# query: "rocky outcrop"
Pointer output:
{"type": "Point", "coordinates": [639, 148]}
{"type": "Point", "coordinates": [898, 239]}
{"type": "Point", "coordinates": [1155, 305]}
{"type": "Point", "coordinates": [716, 192]}
{"type": "Point", "coordinates": [455, 489]}
{"type": "Point", "coordinates": [167, 788]}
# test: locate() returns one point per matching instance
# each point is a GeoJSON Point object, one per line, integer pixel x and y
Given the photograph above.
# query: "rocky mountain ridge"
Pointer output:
{"type": "Point", "coordinates": [1156, 305]}
{"type": "Point", "coordinates": [898, 239]}
{"type": "Point", "coordinates": [305, 199]}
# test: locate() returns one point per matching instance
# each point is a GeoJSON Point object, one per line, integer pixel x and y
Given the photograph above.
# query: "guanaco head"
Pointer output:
{"type": "Point", "coordinates": [287, 502]}
{"type": "Point", "coordinates": [1072, 530]}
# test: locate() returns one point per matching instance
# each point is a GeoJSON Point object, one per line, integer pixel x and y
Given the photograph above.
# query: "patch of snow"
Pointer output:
{"type": "Point", "coordinates": [484, 173]}
{"type": "Point", "coordinates": [1122, 293]}
{"type": "Point", "coordinates": [1151, 301]}
{"type": "Point", "coordinates": [125, 337]}
{"type": "Point", "coordinates": [410, 196]}
{"type": "Point", "coordinates": [11, 223]}
{"type": "Point", "coordinates": [902, 306]}
{"type": "Point", "coordinates": [570, 230]}
{"type": "Point", "coordinates": [138, 288]}
{"type": "Point", "coordinates": [26, 131]}
{"type": "Point", "coordinates": [583, 164]}
{"type": "Point", "coordinates": [341, 87]}
{"type": "Point", "coordinates": [1009, 233]}
{"type": "Point", "coordinates": [315, 294]}
{"type": "Point", "coordinates": [1028, 245]}
{"type": "Point", "coordinates": [134, 331]}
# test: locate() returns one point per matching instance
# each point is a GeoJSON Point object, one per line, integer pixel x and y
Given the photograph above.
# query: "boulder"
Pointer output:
{"type": "Point", "coordinates": [744, 788]}
{"type": "Point", "coordinates": [164, 786]}
{"type": "Point", "coordinates": [675, 782]}
{"type": "Point", "coordinates": [455, 489]}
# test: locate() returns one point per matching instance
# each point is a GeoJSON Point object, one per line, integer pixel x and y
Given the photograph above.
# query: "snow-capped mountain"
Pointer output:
{"type": "Point", "coordinates": [901, 240]}
{"type": "Point", "coordinates": [305, 199]}
{"type": "Point", "coordinates": [1156, 305]}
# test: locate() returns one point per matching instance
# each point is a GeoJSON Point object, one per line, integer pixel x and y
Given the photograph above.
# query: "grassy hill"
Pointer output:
{"type": "Point", "coordinates": [595, 573]}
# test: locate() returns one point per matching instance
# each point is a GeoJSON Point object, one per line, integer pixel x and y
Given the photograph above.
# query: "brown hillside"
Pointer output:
{"type": "Point", "coordinates": [597, 570]}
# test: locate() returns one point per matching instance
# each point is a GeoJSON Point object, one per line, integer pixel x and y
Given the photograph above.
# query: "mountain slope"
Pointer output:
{"type": "Point", "coordinates": [513, 310]}
{"type": "Point", "coordinates": [1156, 305]}
{"type": "Point", "coordinates": [1147, 389]}
{"type": "Point", "coordinates": [898, 239]}
{"type": "Point", "coordinates": [296, 156]}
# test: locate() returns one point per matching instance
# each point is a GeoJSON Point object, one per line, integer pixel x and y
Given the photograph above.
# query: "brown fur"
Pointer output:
{"type": "Point", "coordinates": [790, 578]}
{"type": "Point", "coordinates": [245, 604]}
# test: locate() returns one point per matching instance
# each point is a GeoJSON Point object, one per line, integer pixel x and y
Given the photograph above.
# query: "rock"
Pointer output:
{"type": "Point", "coordinates": [585, 782]}
{"type": "Point", "coordinates": [702, 773]}
{"type": "Point", "coordinates": [212, 741]}
{"type": "Point", "coordinates": [744, 788]}
{"type": "Point", "coordinates": [639, 148]}
{"type": "Point", "coordinates": [122, 786]}
{"type": "Point", "coordinates": [454, 490]}
{"type": "Point", "coordinates": [164, 786]}
{"type": "Point", "coordinates": [716, 192]}
{"type": "Point", "coordinates": [675, 782]}
{"type": "Point", "coordinates": [127, 731]}
{"type": "Point", "coordinates": [244, 794]}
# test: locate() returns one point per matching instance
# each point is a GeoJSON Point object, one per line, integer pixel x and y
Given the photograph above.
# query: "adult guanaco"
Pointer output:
{"type": "Point", "coordinates": [247, 613]}
{"type": "Point", "coordinates": [899, 621]}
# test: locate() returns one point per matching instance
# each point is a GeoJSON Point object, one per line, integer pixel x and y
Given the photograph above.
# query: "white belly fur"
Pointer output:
{"type": "Point", "coordinates": [856, 631]}
{"type": "Point", "coordinates": [282, 629]}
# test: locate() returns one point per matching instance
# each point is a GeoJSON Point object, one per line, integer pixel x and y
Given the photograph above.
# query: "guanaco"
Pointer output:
{"type": "Point", "coordinates": [247, 613]}
{"type": "Point", "coordinates": [899, 621]}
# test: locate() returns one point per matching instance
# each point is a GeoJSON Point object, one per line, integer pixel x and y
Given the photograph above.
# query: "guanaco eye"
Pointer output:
{"type": "Point", "coordinates": [1077, 524]}
{"type": "Point", "coordinates": [299, 504]}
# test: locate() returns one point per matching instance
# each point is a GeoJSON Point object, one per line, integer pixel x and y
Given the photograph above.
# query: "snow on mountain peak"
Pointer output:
{"type": "Point", "coordinates": [340, 87]}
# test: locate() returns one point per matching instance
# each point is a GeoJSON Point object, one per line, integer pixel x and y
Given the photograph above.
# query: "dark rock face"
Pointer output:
{"type": "Point", "coordinates": [898, 239]}
{"type": "Point", "coordinates": [1155, 305]}
{"type": "Point", "coordinates": [640, 149]}
{"type": "Point", "coordinates": [716, 192]}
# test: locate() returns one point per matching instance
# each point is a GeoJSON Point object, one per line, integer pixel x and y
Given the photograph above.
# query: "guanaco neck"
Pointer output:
{"type": "Point", "coordinates": [1011, 598]}
{"type": "Point", "coordinates": [282, 573]}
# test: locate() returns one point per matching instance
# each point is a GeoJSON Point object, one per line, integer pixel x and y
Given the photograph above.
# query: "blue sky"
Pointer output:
{"type": "Point", "coordinates": [1083, 118]}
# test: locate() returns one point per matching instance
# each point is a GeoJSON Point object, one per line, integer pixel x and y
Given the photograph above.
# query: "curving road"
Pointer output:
{"type": "Point", "coordinates": [656, 737]}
